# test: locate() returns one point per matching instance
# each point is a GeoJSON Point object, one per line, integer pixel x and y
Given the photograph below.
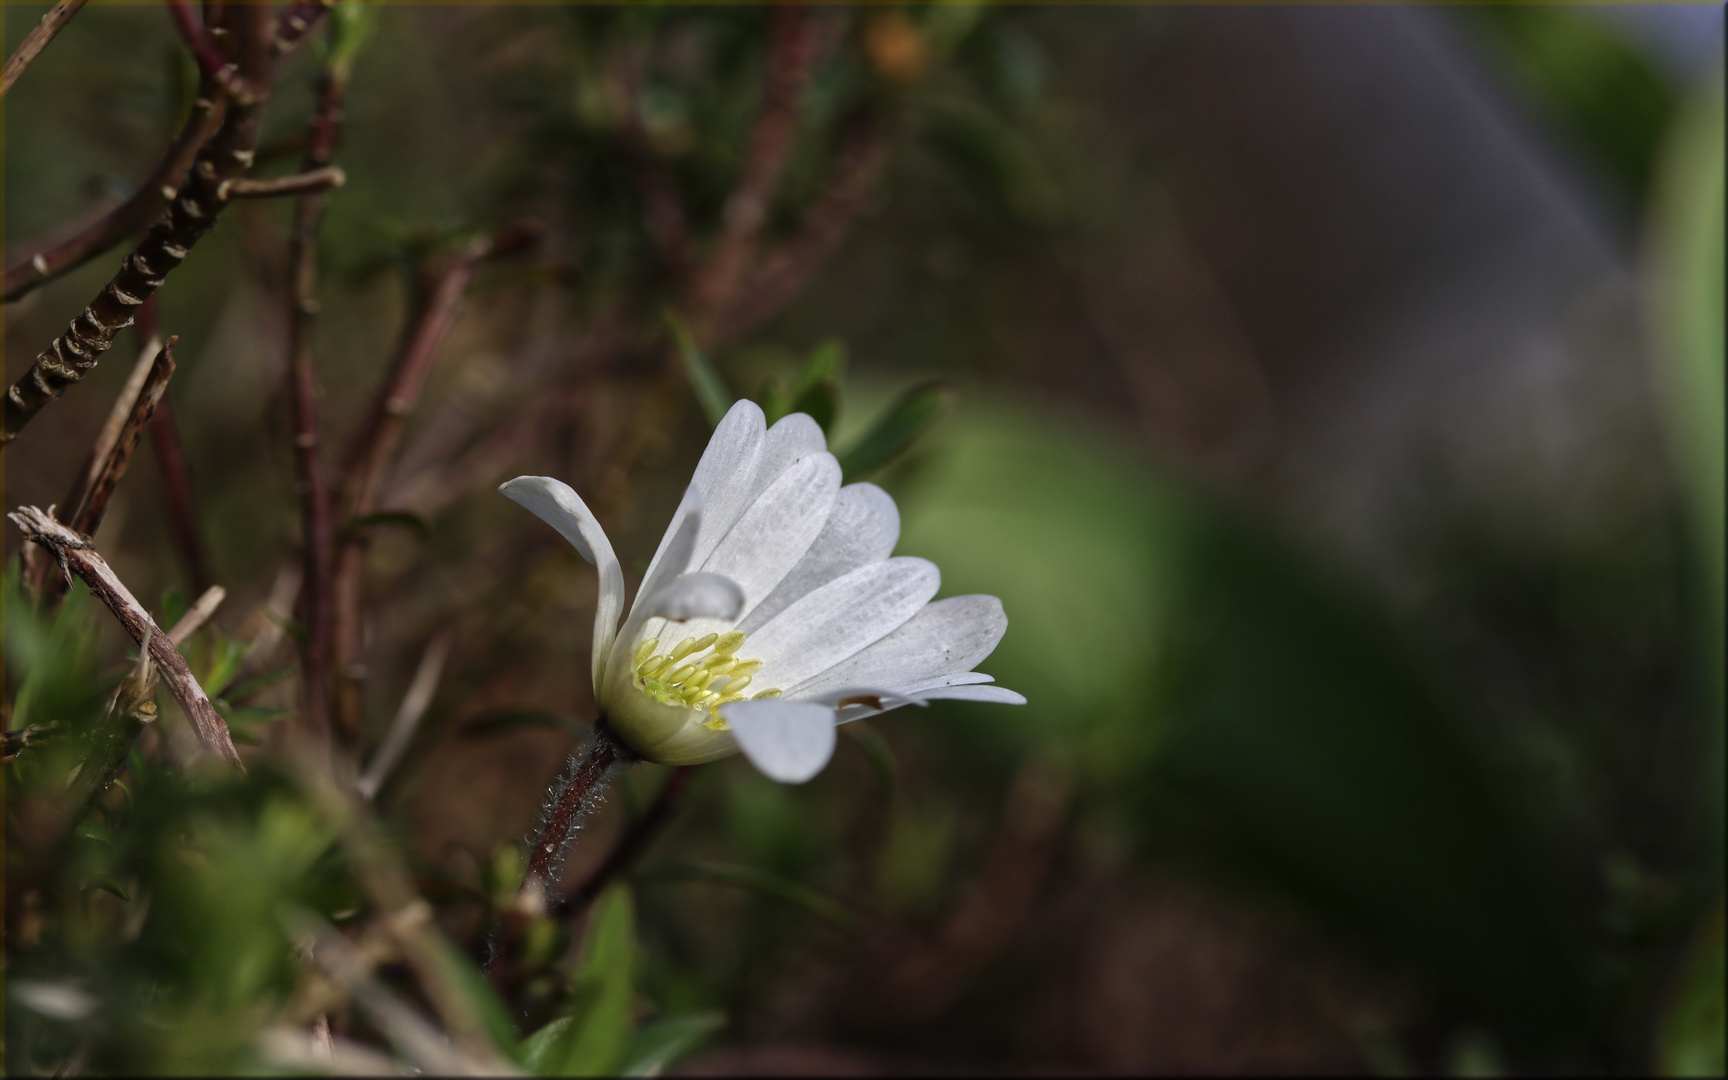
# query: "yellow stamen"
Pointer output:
{"type": "Point", "coordinates": [701, 680]}
{"type": "Point", "coordinates": [653, 666]}
{"type": "Point", "coordinates": [774, 693]}
{"type": "Point", "coordinates": [704, 641]}
{"type": "Point", "coordinates": [728, 643]}
{"type": "Point", "coordinates": [646, 649]}
{"type": "Point", "coordinates": [747, 667]}
{"type": "Point", "coordinates": [720, 665]}
{"type": "Point", "coordinates": [681, 674]}
{"type": "Point", "coordinates": [736, 685]}
{"type": "Point", "coordinates": [685, 648]}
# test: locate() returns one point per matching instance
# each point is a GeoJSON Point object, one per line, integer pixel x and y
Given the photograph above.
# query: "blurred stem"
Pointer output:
{"type": "Point", "coordinates": [578, 795]}
{"type": "Point", "coordinates": [635, 842]}
{"type": "Point", "coordinates": [37, 40]}
{"type": "Point", "coordinates": [316, 553]}
{"type": "Point", "coordinates": [176, 474]}
{"type": "Point", "coordinates": [297, 21]}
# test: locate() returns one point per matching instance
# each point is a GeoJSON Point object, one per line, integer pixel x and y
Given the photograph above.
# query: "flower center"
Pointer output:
{"type": "Point", "coordinates": [700, 673]}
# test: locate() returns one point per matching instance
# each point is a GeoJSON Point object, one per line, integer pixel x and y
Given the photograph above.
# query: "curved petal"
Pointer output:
{"type": "Point", "coordinates": [873, 696]}
{"type": "Point", "coordinates": [724, 481]}
{"type": "Point", "coordinates": [970, 691]}
{"type": "Point", "coordinates": [946, 637]}
{"type": "Point", "coordinates": [792, 437]}
{"type": "Point", "coordinates": [962, 678]}
{"type": "Point", "coordinates": [553, 502]}
{"type": "Point", "coordinates": [789, 741]}
{"type": "Point", "coordinates": [863, 529]}
{"type": "Point", "coordinates": [829, 624]}
{"type": "Point", "coordinates": [1000, 695]}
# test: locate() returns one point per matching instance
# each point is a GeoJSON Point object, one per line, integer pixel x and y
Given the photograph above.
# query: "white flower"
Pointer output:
{"type": "Point", "coordinates": [772, 610]}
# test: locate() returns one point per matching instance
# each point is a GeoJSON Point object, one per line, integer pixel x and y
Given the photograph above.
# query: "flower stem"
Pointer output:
{"type": "Point", "coordinates": [580, 794]}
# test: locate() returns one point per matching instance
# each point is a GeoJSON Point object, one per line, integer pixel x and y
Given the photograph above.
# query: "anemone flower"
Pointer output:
{"type": "Point", "coordinates": [772, 611]}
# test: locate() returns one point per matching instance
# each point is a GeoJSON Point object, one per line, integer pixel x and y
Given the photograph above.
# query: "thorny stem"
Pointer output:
{"type": "Point", "coordinates": [303, 394]}
{"type": "Point", "coordinates": [77, 556]}
{"type": "Point", "coordinates": [210, 59]}
{"type": "Point", "coordinates": [46, 262]}
{"type": "Point", "coordinates": [297, 21]}
{"type": "Point", "coordinates": [228, 154]}
{"type": "Point", "coordinates": [37, 40]}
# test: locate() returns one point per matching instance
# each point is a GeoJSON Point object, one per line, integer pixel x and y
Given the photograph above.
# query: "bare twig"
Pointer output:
{"type": "Point", "coordinates": [792, 47]}
{"type": "Point", "coordinates": [313, 180]}
{"type": "Point", "coordinates": [316, 552]}
{"type": "Point", "coordinates": [192, 214]}
{"type": "Point", "coordinates": [117, 414]}
{"type": "Point", "coordinates": [373, 446]}
{"type": "Point", "coordinates": [76, 556]}
{"type": "Point", "coordinates": [209, 56]}
{"type": "Point", "coordinates": [857, 163]}
{"type": "Point", "coordinates": [37, 40]}
{"type": "Point", "coordinates": [86, 517]}
{"type": "Point", "coordinates": [408, 716]}
{"type": "Point", "coordinates": [47, 261]}
{"type": "Point", "coordinates": [633, 844]}
{"type": "Point", "coordinates": [177, 491]}
{"type": "Point", "coordinates": [197, 615]}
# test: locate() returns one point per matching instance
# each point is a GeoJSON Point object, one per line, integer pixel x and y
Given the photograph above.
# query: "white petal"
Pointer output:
{"type": "Point", "coordinates": [724, 482]}
{"type": "Point", "coordinates": [776, 531]}
{"type": "Point", "coordinates": [672, 559]}
{"type": "Point", "coordinates": [862, 529]}
{"type": "Point", "coordinates": [832, 623]}
{"type": "Point", "coordinates": [875, 697]}
{"type": "Point", "coordinates": [793, 437]}
{"type": "Point", "coordinates": [962, 678]}
{"type": "Point", "coordinates": [700, 595]}
{"type": "Point", "coordinates": [946, 637]}
{"type": "Point", "coordinates": [790, 741]}
{"type": "Point", "coordinates": [553, 502]}
{"type": "Point", "coordinates": [1001, 695]}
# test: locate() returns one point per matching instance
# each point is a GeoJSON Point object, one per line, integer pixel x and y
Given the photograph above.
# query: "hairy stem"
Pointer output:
{"type": "Point", "coordinates": [580, 794]}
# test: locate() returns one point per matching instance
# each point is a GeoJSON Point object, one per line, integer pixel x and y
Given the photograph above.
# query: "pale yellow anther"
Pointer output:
{"type": "Point", "coordinates": [728, 699]}
{"type": "Point", "coordinates": [681, 674]}
{"type": "Point", "coordinates": [737, 685]}
{"type": "Point", "coordinates": [774, 693]}
{"type": "Point", "coordinates": [653, 666]}
{"type": "Point", "coordinates": [708, 700]}
{"type": "Point", "coordinates": [720, 665]}
{"type": "Point", "coordinates": [701, 680]}
{"type": "Point", "coordinates": [685, 648]}
{"type": "Point", "coordinates": [646, 649]}
{"type": "Point", "coordinates": [729, 642]}
{"type": "Point", "coordinates": [691, 693]}
{"type": "Point", "coordinates": [747, 667]}
{"type": "Point", "coordinates": [704, 641]}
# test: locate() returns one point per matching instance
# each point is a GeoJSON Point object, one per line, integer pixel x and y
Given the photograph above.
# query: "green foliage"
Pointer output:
{"type": "Point", "coordinates": [594, 1039]}
{"type": "Point", "coordinates": [896, 429]}
{"type": "Point", "coordinates": [710, 389]}
{"type": "Point", "coordinates": [1692, 1036]}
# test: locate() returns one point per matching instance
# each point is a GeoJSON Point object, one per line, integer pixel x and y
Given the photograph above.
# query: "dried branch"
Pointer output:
{"type": "Point", "coordinates": [211, 62]}
{"type": "Point", "coordinates": [37, 40]}
{"type": "Point", "coordinates": [110, 433]}
{"type": "Point", "coordinates": [313, 180]}
{"type": "Point", "coordinates": [316, 550]}
{"type": "Point", "coordinates": [792, 47]}
{"type": "Point", "coordinates": [48, 261]}
{"type": "Point", "coordinates": [86, 517]}
{"type": "Point", "coordinates": [76, 555]}
{"type": "Point", "coordinates": [192, 214]}
{"type": "Point", "coordinates": [857, 163]}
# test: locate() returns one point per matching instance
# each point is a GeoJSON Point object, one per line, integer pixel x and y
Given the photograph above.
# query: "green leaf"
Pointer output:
{"type": "Point", "coordinates": [228, 654]}
{"type": "Point", "coordinates": [900, 425]}
{"type": "Point", "coordinates": [109, 885]}
{"type": "Point", "coordinates": [760, 881]}
{"type": "Point", "coordinates": [1691, 1039]}
{"type": "Point", "coordinates": [94, 829]}
{"type": "Point", "coordinates": [505, 720]}
{"type": "Point", "coordinates": [827, 364]}
{"type": "Point", "coordinates": [710, 389]}
{"type": "Point", "coordinates": [459, 972]}
{"type": "Point", "coordinates": [821, 403]}
{"type": "Point", "coordinates": [593, 1039]}
{"type": "Point", "coordinates": [351, 24]}
{"type": "Point", "coordinates": [398, 518]}
{"type": "Point", "coordinates": [661, 1043]}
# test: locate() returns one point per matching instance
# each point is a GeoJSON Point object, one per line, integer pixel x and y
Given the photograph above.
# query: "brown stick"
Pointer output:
{"type": "Point", "coordinates": [37, 40]}
{"type": "Point", "coordinates": [177, 492]}
{"type": "Point", "coordinates": [46, 261]}
{"type": "Point", "coordinates": [857, 163]}
{"type": "Point", "coordinates": [792, 47]}
{"type": "Point", "coordinates": [313, 180]}
{"type": "Point", "coordinates": [192, 214]}
{"type": "Point", "coordinates": [76, 555]}
{"type": "Point", "coordinates": [303, 394]}
{"type": "Point", "coordinates": [87, 517]}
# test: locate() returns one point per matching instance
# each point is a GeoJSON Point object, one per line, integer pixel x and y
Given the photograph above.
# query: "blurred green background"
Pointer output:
{"type": "Point", "coordinates": [1334, 397]}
